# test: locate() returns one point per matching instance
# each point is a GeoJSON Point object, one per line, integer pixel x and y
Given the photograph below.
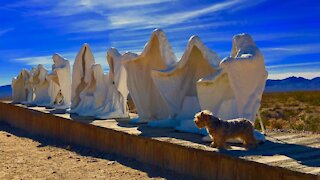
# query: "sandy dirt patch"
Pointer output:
{"type": "Point", "coordinates": [23, 156]}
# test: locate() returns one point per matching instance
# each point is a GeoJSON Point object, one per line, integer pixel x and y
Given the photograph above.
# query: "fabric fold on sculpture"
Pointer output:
{"type": "Point", "coordinates": [29, 86]}
{"type": "Point", "coordinates": [115, 104]}
{"type": "Point", "coordinates": [20, 91]}
{"type": "Point", "coordinates": [177, 85]}
{"type": "Point", "coordinates": [81, 74]}
{"type": "Point", "coordinates": [235, 91]}
{"type": "Point", "coordinates": [41, 86]}
{"type": "Point", "coordinates": [93, 96]}
{"type": "Point", "coordinates": [117, 73]}
{"type": "Point", "coordinates": [157, 54]}
{"type": "Point", "coordinates": [105, 95]}
{"type": "Point", "coordinates": [60, 83]}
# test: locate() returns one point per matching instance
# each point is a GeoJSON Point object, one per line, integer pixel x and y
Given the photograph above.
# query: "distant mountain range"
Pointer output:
{"type": "Point", "coordinates": [293, 84]}
{"type": "Point", "coordinates": [5, 91]}
{"type": "Point", "coordinates": [284, 85]}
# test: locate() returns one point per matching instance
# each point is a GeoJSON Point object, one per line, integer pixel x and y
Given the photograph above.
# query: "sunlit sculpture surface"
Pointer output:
{"type": "Point", "coordinates": [81, 74]}
{"type": "Point", "coordinates": [20, 91]}
{"type": "Point", "coordinates": [40, 86]}
{"type": "Point", "coordinates": [157, 54]}
{"type": "Point", "coordinates": [60, 83]}
{"type": "Point", "coordinates": [93, 96]}
{"type": "Point", "coordinates": [236, 90]}
{"type": "Point", "coordinates": [177, 84]}
{"type": "Point", "coordinates": [115, 104]}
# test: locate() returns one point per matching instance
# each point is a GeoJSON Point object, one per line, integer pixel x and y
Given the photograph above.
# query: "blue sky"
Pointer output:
{"type": "Point", "coordinates": [286, 31]}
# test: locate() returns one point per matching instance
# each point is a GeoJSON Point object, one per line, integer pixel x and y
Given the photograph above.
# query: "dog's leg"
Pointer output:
{"type": "Point", "coordinates": [213, 144]}
{"type": "Point", "coordinates": [249, 141]}
{"type": "Point", "coordinates": [220, 143]}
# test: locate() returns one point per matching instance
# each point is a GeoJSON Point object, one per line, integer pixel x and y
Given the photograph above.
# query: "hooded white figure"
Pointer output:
{"type": "Point", "coordinates": [40, 86]}
{"type": "Point", "coordinates": [60, 83]}
{"type": "Point", "coordinates": [235, 91]}
{"type": "Point", "coordinates": [30, 87]}
{"type": "Point", "coordinates": [115, 105]}
{"type": "Point", "coordinates": [157, 54]}
{"type": "Point", "coordinates": [177, 85]}
{"type": "Point", "coordinates": [93, 96]}
{"type": "Point", "coordinates": [20, 91]}
{"type": "Point", "coordinates": [81, 74]}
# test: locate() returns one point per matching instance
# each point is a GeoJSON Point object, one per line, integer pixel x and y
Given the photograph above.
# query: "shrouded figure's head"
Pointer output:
{"type": "Point", "coordinates": [242, 42]}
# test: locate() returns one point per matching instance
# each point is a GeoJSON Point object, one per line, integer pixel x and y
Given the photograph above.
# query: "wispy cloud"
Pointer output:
{"type": "Point", "coordinates": [117, 14]}
{"type": "Point", "coordinates": [100, 58]}
{"type": "Point", "coordinates": [4, 31]}
{"type": "Point", "coordinates": [307, 75]}
{"type": "Point", "coordinates": [276, 54]}
{"type": "Point", "coordinates": [147, 20]}
{"type": "Point", "coordinates": [294, 49]}
{"type": "Point", "coordinates": [46, 61]}
{"type": "Point", "coordinates": [130, 3]}
{"type": "Point", "coordinates": [293, 65]}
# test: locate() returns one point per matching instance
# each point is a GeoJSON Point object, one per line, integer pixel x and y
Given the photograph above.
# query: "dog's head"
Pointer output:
{"type": "Point", "coordinates": [201, 118]}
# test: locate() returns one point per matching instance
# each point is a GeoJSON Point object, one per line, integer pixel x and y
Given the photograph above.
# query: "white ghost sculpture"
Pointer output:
{"type": "Point", "coordinates": [20, 91]}
{"type": "Point", "coordinates": [104, 96]}
{"type": "Point", "coordinates": [115, 105]}
{"type": "Point", "coordinates": [177, 85]}
{"type": "Point", "coordinates": [60, 83]}
{"type": "Point", "coordinates": [93, 96]}
{"type": "Point", "coordinates": [40, 86]}
{"type": "Point", "coordinates": [81, 74]}
{"type": "Point", "coordinates": [157, 54]}
{"type": "Point", "coordinates": [30, 88]}
{"type": "Point", "coordinates": [235, 91]}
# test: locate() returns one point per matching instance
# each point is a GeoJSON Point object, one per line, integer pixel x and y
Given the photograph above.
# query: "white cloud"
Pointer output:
{"type": "Point", "coordinates": [307, 75]}
{"type": "Point", "coordinates": [120, 14]}
{"type": "Point", "coordinates": [131, 3]}
{"type": "Point", "coordinates": [46, 61]}
{"type": "Point", "coordinates": [182, 16]}
{"type": "Point", "coordinates": [293, 49]}
{"type": "Point", "coordinates": [276, 54]}
{"type": "Point", "coordinates": [4, 31]}
{"type": "Point", "coordinates": [293, 65]}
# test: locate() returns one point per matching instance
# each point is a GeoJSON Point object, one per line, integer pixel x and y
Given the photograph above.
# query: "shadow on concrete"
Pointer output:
{"type": "Point", "coordinates": [303, 154]}
{"type": "Point", "coordinates": [151, 170]}
{"type": "Point", "coordinates": [57, 111]}
{"type": "Point", "coordinates": [85, 119]}
{"type": "Point", "coordinates": [154, 132]}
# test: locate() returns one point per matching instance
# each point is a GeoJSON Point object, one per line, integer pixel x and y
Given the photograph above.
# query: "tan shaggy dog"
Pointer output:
{"type": "Point", "coordinates": [220, 131]}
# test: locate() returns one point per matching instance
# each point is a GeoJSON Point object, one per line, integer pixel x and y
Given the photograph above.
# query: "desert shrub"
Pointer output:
{"type": "Point", "coordinates": [297, 125]}
{"type": "Point", "coordinates": [312, 124]}
{"type": "Point", "coordinates": [308, 109]}
{"type": "Point", "coordinates": [289, 113]}
{"type": "Point", "coordinates": [278, 124]}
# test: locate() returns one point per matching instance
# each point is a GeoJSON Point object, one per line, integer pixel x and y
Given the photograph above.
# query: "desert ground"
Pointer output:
{"type": "Point", "coordinates": [32, 157]}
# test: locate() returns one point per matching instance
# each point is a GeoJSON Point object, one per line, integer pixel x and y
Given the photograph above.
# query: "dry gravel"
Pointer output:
{"type": "Point", "coordinates": [23, 156]}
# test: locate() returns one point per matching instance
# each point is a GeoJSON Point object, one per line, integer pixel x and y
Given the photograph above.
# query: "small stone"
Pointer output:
{"type": "Point", "coordinates": [111, 162]}
{"type": "Point", "coordinates": [8, 135]}
{"type": "Point", "coordinates": [92, 160]}
{"type": "Point", "coordinates": [49, 157]}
